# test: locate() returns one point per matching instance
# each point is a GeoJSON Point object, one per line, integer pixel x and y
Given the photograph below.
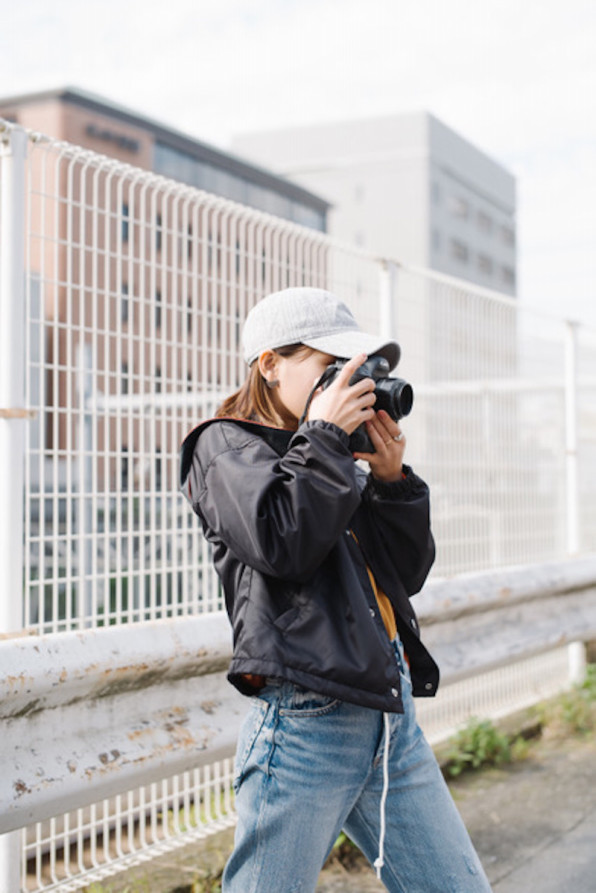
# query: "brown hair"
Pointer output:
{"type": "Point", "coordinates": [255, 401]}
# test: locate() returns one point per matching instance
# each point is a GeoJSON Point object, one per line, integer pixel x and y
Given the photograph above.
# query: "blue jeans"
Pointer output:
{"type": "Point", "coordinates": [308, 766]}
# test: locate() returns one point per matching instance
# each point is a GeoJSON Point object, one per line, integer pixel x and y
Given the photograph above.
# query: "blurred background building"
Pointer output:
{"type": "Point", "coordinates": [406, 187]}
{"type": "Point", "coordinates": [95, 123]}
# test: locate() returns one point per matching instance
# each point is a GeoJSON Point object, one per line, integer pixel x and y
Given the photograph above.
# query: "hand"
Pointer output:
{"type": "Point", "coordinates": [386, 463]}
{"type": "Point", "coordinates": [346, 405]}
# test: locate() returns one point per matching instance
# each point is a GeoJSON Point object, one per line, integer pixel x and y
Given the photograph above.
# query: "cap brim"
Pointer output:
{"type": "Point", "coordinates": [348, 344]}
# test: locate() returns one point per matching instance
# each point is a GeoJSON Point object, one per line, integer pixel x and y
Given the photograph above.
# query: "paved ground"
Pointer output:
{"type": "Point", "coordinates": [533, 823]}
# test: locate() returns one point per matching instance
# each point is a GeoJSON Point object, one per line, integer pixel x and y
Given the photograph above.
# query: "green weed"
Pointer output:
{"type": "Point", "coordinates": [478, 744]}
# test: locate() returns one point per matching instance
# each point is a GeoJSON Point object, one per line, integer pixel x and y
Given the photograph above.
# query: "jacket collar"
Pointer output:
{"type": "Point", "coordinates": [277, 438]}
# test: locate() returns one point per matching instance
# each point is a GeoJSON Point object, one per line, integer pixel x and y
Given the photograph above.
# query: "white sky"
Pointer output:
{"type": "Point", "coordinates": [516, 78]}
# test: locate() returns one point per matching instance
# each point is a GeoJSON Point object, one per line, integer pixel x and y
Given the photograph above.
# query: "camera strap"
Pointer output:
{"type": "Point", "coordinates": [318, 384]}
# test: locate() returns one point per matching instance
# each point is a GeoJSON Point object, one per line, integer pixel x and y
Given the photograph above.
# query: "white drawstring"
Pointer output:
{"type": "Point", "coordinates": [380, 861]}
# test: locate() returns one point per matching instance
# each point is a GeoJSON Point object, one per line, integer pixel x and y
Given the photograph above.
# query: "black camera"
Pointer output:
{"type": "Point", "coordinates": [394, 395]}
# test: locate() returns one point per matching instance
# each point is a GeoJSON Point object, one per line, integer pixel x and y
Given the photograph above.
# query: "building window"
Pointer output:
{"type": "Point", "coordinates": [214, 252]}
{"type": "Point", "coordinates": [507, 235]}
{"type": "Point", "coordinates": [125, 468]}
{"type": "Point", "coordinates": [124, 308]}
{"type": "Point", "coordinates": [485, 223]}
{"type": "Point", "coordinates": [158, 380]}
{"type": "Point", "coordinates": [459, 207]}
{"type": "Point", "coordinates": [158, 232]}
{"type": "Point", "coordinates": [125, 222]}
{"type": "Point", "coordinates": [124, 379]}
{"type": "Point", "coordinates": [159, 467]}
{"type": "Point", "coordinates": [459, 250]}
{"type": "Point", "coordinates": [485, 264]}
{"type": "Point", "coordinates": [158, 309]}
{"type": "Point", "coordinates": [508, 276]}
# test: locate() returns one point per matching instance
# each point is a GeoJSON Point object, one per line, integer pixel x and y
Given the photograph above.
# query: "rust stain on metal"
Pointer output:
{"type": "Point", "coordinates": [19, 681]}
{"type": "Point", "coordinates": [110, 757]}
{"type": "Point", "coordinates": [139, 733]}
{"type": "Point", "coordinates": [505, 592]}
{"type": "Point", "coordinates": [125, 671]}
{"type": "Point", "coordinates": [209, 707]}
{"type": "Point", "coordinates": [63, 676]}
{"type": "Point", "coordinates": [21, 788]}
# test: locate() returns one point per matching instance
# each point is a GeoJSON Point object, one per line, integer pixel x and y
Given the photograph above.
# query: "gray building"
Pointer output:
{"type": "Point", "coordinates": [406, 187]}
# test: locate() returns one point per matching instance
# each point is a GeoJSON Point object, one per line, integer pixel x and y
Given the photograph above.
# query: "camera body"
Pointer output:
{"type": "Point", "coordinates": [394, 395]}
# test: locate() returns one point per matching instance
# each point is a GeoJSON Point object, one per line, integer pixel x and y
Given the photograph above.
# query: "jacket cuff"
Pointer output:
{"type": "Point", "coordinates": [320, 424]}
{"type": "Point", "coordinates": [410, 483]}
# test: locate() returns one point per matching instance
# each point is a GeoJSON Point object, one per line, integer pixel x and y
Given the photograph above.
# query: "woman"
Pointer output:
{"type": "Point", "coordinates": [318, 561]}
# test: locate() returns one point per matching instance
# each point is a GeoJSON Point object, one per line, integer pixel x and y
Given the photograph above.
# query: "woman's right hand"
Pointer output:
{"type": "Point", "coordinates": [346, 405]}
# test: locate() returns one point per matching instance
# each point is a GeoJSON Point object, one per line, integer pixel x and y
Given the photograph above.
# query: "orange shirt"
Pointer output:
{"type": "Point", "coordinates": [385, 606]}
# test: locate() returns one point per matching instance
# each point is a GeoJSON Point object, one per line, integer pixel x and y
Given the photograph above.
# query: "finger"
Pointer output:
{"type": "Point", "coordinates": [377, 434]}
{"type": "Point", "coordinates": [389, 425]}
{"type": "Point", "coordinates": [362, 387]}
{"type": "Point", "coordinates": [350, 367]}
{"type": "Point", "coordinates": [366, 398]}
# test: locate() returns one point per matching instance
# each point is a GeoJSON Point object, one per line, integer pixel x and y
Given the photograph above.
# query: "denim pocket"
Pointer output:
{"type": "Point", "coordinates": [249, 732]}
{"type": "Point", "coordinates": [304, 702]}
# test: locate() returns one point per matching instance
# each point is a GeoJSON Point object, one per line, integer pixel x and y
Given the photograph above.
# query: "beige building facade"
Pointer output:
{"type": "Point", "coordinates": [138, 285]}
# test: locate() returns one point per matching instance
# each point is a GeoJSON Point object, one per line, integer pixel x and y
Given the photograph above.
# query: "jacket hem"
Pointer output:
{"type": "Point", "coordinates": [384, 701]}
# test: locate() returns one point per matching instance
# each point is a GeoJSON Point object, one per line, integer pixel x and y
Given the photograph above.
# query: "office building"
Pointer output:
{"type": "Point", "coordinates": [406, 187]}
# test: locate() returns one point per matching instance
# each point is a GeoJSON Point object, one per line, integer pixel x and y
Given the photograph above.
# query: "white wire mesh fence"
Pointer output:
{"type": "Point", "coordinates": [74, 850]}
{"type": "Point", "coordinates": [135, 292]}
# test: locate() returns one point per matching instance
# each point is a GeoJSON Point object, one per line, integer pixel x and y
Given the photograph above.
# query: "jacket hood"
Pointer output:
{"type": "Point", "coordinates": [277, 438]}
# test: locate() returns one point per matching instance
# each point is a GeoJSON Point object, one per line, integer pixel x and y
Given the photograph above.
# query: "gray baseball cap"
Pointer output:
{"type": "Point", "coordinates": [314, 317]}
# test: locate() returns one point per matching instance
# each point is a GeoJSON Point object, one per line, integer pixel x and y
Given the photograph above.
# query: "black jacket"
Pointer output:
{"type": "Point", "coordinates": [277, 507]}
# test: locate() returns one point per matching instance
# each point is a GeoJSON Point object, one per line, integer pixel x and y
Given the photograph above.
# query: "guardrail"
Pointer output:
{"type": "Point", "coordinates": [89, 714]}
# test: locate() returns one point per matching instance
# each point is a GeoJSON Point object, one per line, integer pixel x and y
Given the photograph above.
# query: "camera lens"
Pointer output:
{"type": "Point", "coordinates": [395, 396]}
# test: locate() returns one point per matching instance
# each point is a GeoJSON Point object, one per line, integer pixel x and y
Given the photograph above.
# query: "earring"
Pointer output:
{"type": "Point", "coordinates": [272, 384]}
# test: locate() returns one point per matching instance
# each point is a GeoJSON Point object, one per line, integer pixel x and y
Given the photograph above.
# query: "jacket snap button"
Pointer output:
{"type": "Point", "coordinates": [413, 622]}
{"type": "Point", "coordinates": [372, 612]}
{"type": "Point", "coordinates": [428, 686]}
{"type": "Point", "coordinates": [394, 692]}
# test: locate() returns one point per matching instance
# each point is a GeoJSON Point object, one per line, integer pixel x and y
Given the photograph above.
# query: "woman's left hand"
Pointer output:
{"type": "Point", "coordinates": [389, 443]}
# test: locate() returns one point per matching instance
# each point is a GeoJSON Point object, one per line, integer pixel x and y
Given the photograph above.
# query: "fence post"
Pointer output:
{"type": "Point", "coordinates": [576, 650]}
{"type": "Point", "coordinates": [571, 438]}
{"type": "Point", "coordinates": [387, 293]}
{"type": "Point", "coordinates": [13, 152]}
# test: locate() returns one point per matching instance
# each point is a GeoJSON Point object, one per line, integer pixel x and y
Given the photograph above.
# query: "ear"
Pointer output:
{"type": "Point", "coordinates": [268, 361]}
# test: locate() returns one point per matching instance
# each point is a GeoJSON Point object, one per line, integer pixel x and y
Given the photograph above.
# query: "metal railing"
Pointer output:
{"type": "Point", "coordinates": [145, 721]}
{"type": "Point", "coordinates": [123, 333]}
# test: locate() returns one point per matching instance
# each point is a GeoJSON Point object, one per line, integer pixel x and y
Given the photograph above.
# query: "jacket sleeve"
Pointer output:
{"type": "Point", "coordinates": [279, 515]}
{"type": "Point", "coordinates": [400, 513]}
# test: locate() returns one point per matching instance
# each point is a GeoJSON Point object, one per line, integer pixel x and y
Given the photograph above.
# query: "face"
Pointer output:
{"type": "Point", "coordinates": [296, 374]}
